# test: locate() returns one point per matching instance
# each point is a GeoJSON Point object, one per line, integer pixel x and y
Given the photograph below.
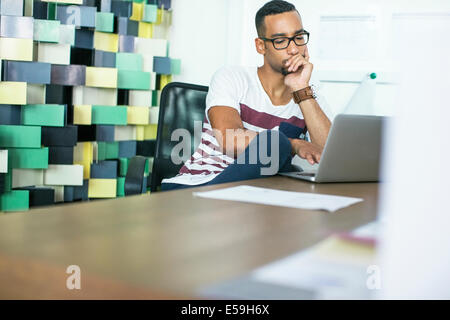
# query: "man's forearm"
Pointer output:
{"type": "Point", "coordinates": [234, 141]}
{"type": "Point", "coordinates": [317, 122]}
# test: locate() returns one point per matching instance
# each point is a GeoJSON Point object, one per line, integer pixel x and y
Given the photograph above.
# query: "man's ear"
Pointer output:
{"type": "Point", "coordinates": [260, 46]}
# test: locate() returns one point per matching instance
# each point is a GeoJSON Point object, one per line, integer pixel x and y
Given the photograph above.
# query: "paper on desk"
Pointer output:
{"type": "Point", "coordinates": [273, 197]}
{"type": "Point", "coordinates": [335, 268]}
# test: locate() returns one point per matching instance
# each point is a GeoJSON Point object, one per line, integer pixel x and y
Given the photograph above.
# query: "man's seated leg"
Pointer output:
{"type": "Point", "coordinates": [267, 154]}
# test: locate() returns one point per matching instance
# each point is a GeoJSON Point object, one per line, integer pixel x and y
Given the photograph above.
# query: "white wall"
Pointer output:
{"type": "Point", "coordinates": [207, 34]}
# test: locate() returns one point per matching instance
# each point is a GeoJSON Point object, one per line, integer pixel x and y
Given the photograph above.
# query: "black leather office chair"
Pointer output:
{"type": "Point", "coordinates": [181, 105]}
{"type": "Point", "coordinates": [134, 179]}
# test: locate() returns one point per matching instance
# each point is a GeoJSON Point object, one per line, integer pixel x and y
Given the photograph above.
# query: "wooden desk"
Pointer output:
{"type": "Point", "coordinates": [163, 245]}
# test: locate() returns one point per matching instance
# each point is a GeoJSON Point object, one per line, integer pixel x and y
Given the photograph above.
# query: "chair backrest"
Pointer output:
{"type": "Point", "coordinates": [134, 178]}
{"type": "Point", "coordinates": [182, 105]}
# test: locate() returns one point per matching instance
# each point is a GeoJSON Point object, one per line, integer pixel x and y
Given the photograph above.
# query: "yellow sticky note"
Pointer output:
{"type": "Point", "coordinates": [16, 49]}
{"type": "Point", "coordinates": [101, 77]}
{"type": "Point", "coordinates": [82, 114]}
{"type": "Point", "coordinates": [13, 92]}
{"type": "Point", "coordinates": [138, 115]}
{"type": "Point", "coordinates": [138, 11]}
{"type": "Point", "coordinates": [106, 41]}
{"type": "Point", "coordinates": [150, 131]}
{"type": "Point", "coordinates": [145, 30]}
{"type": "Point", "coordinates": [102, 188]}
{"type": "Point", "coordinates": [140, 133]}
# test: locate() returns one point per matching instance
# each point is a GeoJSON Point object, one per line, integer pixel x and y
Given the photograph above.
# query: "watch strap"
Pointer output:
{"type": "Point", "coordinates": [303, 94]}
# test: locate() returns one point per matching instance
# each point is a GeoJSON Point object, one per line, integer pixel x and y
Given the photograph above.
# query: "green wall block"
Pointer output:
{"type": "Point", "coordinates": [104, 22]}
{"type": "Point", "coordinates": [28, 158]}
{"type": "Point", "coordinates": [123, 166]}
{"type": "Point", "coordinates": [16, 200]}
{"type": "Point", "coordinates": [175, 65]}
{"type": "Point", "coordinates": [46, 30]}
{"type": "Point", "coordinates": [112, 150]}
{"type": "Point", "coordinates": [134, 80]}
{"type": "Point", "coordinates": [101, 151]}
{"type": "Point", "coordinates": [154, 98]}
{"type": "Point", "coordinates": [146, 168]}
{"type": "Point", "coordinates": [109, 115]}
{"type": "Point", "coordinates": [121, 187]}
{"type": "Point", "coordinates": [20, 137]}
{"type": "Point", "coordinates": [51, 115]}
{"type": "Point", "coordinates": [8, 181]}
{"type": "Point", "coordinates": [129, 61]}
{"type": "Point", "coordinates": [150, 13]}
{"type": "Point", "coordinates": [51, 11]}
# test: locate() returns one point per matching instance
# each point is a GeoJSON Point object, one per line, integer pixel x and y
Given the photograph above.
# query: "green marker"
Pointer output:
{"type": "Point", "coordinates": [373, 75]}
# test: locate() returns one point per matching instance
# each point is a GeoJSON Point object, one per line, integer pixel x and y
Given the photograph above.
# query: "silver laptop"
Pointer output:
{"type": "Point", "coordinates": [351, 153]}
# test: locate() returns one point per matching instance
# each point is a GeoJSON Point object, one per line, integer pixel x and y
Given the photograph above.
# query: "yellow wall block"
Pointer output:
{"type": "Point", "coordinates": [13, 92]}
{"type": "Point", "coordinates": [160, 16]}
{"type": "Point", "coordinates": [82, 114]}
{"type": "Point", "coordinates": [145, 30]}
{"type": "Point", "coordinates": [150, 131]}
{"type": "Point", "coordinates": [106, 41]}
{"type": "Point", "coordinates": [101, 77]}
{"type": "Point", "coordinates": [138, 115]}
{"type": "Point", "coordinates": [138, 11]}
{"type": "Point", "coordinates": [102, 188]}
{"type": "Point", "coordinates": [140, 133]}
{"type": "Point", "coordinates": [83, 154]}
{"type": "Point", "coordinates": [16, 49]}
{"type": "Point", "coordinates": [165, 79]}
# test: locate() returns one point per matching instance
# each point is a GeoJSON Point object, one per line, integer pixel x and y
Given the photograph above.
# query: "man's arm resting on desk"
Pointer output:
{"type": "Point", "coordinates": [233, 138]}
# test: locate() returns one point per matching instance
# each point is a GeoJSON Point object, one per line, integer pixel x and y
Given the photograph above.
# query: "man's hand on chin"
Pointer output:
{"type": "Point", "coordinates": [299, 71]}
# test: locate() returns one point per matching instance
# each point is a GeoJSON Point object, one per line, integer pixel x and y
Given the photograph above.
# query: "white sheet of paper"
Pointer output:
{"type": "Point", "coordinates": [330, 269]}
{"type": "Point", "coordinates": [273, 197]}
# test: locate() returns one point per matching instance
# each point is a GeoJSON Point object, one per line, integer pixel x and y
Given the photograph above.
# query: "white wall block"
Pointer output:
{"type": "Point", "coordinates": [154, 114]}
{"type": "Point", "coordinates": [154, 47]}
{"type": "Point", "coordinates": [94, 96]}
{"type": "Point", "coordinates": [54, 53]}
{"type": "Point", "coordinates": [27, 177]}
{"type": "Point", "coordinates": [35, 93]}
{"type": "Point", "coordinates": [64, 175]}
{"type": "Point", "coordinates": [142, 98]}
{"type": "Point", "coordinates": [3, 161]}
{"type": "Point", "coordinates": [147, 62]}
{"type": "Point", "coordinates": [124, 133]}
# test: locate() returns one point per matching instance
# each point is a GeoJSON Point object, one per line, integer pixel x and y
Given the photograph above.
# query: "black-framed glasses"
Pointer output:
{"type": "Point", "coordinates": [281, 43]}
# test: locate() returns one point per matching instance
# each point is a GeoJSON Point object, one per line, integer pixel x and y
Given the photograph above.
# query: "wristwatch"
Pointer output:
{"type": "Point", "coordinates": [303, 94]}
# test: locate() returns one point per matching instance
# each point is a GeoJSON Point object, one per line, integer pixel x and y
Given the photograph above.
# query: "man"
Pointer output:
{"type": "Point", "coordinates": [245, 107]}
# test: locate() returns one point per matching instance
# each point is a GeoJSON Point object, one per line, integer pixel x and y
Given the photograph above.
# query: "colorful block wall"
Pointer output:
{"type": "Point", "coordinates": [79, 96]}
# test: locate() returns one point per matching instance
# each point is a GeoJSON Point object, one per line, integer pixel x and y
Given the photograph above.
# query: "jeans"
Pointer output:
{"type": "Point", "coordinates": [242, 169]}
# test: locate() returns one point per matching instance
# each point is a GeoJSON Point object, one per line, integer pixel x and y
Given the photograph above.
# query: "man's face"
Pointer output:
{"type": "Point", "coordinates": [285, 24]}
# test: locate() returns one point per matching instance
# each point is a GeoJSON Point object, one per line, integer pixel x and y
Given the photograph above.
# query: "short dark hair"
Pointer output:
{"type": "Point", "coordinates": [271, 8]}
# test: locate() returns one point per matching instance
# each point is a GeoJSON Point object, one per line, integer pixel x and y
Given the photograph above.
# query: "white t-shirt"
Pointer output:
{"type": "Point", "coordinates": [240, 89]}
